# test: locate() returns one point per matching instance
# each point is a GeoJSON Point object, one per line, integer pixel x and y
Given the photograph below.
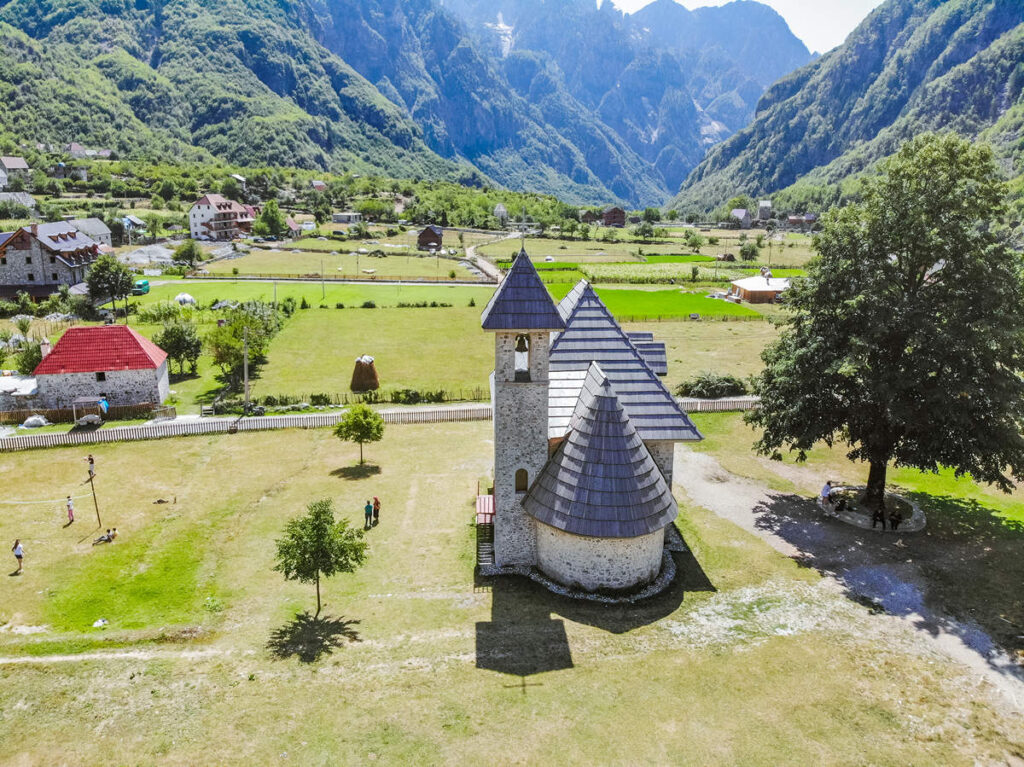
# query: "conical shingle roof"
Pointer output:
{"type": "Point", "coordinates": [592, 335]}
{"type": "Point", "coordinates": [601, 481]}
{"type": "Point", "coordinates": [521, 302]}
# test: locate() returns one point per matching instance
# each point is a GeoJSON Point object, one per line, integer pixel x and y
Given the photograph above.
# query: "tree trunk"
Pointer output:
{"type": "Point", "coordinates": [874, 496]}
{"type": "Point", "coordinates": [360, 453]}
{"type": "Point", "coordinates": [317, 596]}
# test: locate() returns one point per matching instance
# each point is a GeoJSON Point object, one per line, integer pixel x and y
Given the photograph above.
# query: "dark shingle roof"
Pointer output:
{"type": "Point", "coordinates": [521, 302]}
{"type": "Point", "coordinates": [592, 335]}
{"type": "Point", "coordinates": [652, 351]}
{"type": "Point", "coordinates": [601, 481]}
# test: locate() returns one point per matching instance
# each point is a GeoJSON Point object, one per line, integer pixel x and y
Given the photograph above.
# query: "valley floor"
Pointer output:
{"type": "Point", "coordinates": [209, 657]}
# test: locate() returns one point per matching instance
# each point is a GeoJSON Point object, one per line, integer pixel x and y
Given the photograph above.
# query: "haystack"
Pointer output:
{"type": "Point", "coordinates": [364, 376]}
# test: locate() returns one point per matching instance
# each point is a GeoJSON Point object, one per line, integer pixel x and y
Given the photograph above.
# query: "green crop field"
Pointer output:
{"type": "Point", "coordinates": [637, 305]}
{"type": "Point", "coordinates": [207, 658]}
{"type": "Point", "coordinates": [410, 264]}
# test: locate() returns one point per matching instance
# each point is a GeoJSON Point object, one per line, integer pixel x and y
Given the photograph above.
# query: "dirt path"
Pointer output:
{"type": "Point", "coordinates": [884, 573]}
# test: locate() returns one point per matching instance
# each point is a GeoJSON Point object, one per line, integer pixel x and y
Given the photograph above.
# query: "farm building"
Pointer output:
{"type": "Point", "coordinates": [112, 361]}
{"type": "Point", "coordinates": [584, 437]}
{"type": "Point", "coordinates": [347, 217]}
{"type": "Point", "coordinates": [759, 290]}
{"type": "Point", "coordinates": [430, 238]}
{"type": "Point", "coordinates": [741, 216]}
{"type": "Point", "coordinates": [587, 216]}
{"type": "Point", "coordinates": [94, 229]}
{"type": "Point", "coordinates": [614, 216]}
{"type": "Point", "coordinates": [11, 168]}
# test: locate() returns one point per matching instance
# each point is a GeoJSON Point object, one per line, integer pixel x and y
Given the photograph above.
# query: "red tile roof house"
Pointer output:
{"type": "Point", "coordinates": [106, 360]}
{"type": "Point", "coordinates": [41, 257]}
{"type": "Point", "coordinates": [214, 217]}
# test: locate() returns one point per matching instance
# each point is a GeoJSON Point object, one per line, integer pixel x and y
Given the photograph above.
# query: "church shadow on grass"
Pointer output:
{"type": "Point", "coordinates": [961, 575]}
{"type": "Point", "coordinates": [309, 638]}
{"type": "Point", "coordinates": [523, 638]}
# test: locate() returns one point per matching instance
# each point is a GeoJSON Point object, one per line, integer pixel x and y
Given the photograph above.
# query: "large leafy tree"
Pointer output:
{"type": "Point", "coordinates": [360, 424]}
{"type": "Point", "coordinates": [906, 341]}
{"type": "Point", "coordinates": [315, 546]}
{"type": "Point", "coordinates": [182, 343]}
{"type": "Point", "coordinates": [109, 280]}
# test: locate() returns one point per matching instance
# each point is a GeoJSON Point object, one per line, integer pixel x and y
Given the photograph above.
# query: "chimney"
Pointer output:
{"type": "Point", "coordinates": [44, 347]}
{"type": "Point", "coordinates": [34, 229]}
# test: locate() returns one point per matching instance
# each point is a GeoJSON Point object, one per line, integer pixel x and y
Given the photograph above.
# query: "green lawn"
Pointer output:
{"type": "Point", "coordinates": [747, 661]}
{"type": "Point", "coordinates": [411, 264]}
{"type": "Point", "coordinates": [637, 305]}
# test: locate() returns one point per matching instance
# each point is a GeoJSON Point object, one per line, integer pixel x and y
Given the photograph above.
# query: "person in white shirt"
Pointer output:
{"type": "Point", "coordinates": [826, 495]}
{"type": "Point", "coordinates": [71, 510]}
{"type": "Point", "coordinates": [19, 553]}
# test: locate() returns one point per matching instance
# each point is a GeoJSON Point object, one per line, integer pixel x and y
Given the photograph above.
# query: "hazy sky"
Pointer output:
{"type": "Point", "coordinates": [821, 24]}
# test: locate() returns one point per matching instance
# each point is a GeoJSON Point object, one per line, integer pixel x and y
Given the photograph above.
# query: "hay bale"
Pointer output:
{"type": "Point", "coordinates": [364, 376]}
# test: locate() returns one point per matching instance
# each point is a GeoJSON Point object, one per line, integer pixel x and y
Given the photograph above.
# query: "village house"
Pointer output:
{"type": "Point", "coordinates": [39, 258]}
{"type": "Point", "coordinates": [94, 229]}
{"type": "Point", "coordinates": [213, 217]}
{"type": "Point", "coordinates": [317, 185]}
{"type": "Point", "coordinates": [587, 216]}
{"type": "Point", "coordinates": [20, 198]}
{"type": "Point", "coordinates": [584, 438]}
{"type": "Point", "coordinates": [762, 289]}
{"type": "Point", "coordinates": [11, 168]}
{"type": "Point", "coordinates": [347, 217]}
{"type": "Point", "coordinates": [614, 216]}
{"type": "Point", "coordinates": [764, 210]}
{"type": "Point", "coordinates": [501, 214]}
{"type": "Point", "coordinates": [109, 361]}
{"type": "Point", "coordinates": [740, 216]}
{"type": "Point", "coordinates": [294, 230]}
{"type": "Point", "coordinates": [430, 238]}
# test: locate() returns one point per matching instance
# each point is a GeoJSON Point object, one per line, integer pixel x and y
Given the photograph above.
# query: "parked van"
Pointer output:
{"type": "Point", "coordinates": [141, 288]}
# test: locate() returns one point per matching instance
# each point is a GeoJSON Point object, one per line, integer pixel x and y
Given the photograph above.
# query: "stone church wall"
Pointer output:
{"type": "Point", "coordinates": [590, 564]}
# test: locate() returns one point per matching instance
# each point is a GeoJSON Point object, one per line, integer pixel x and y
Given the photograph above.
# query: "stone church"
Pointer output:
{"type": "Point", "coordinates": [584, 434]}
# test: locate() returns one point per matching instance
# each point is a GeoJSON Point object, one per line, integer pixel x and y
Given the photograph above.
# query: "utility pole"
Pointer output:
{"type": "Point", "coordinates": [245, 366]}
{"type": "Point", "coordinates": [275, 292]}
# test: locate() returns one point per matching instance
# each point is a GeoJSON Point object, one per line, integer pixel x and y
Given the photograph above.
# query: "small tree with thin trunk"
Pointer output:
{"type": "Point", "coordinates": [317, 546]}
{"type": "Point", "coordinates": [360, 424]}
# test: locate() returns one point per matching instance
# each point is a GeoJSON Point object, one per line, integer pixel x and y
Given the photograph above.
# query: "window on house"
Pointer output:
{"type": "Point", "coordinates": [54, 276]}
{"type": "Point", "coordinates": [28, 259]}
{"type": "Point", "coordinates": [31, 277]}
{"type": "Point", "coordinates": [101, 376]}
{"type": "Point", "coordinates": [522, 481]}
{"type": "Point", "coordinates": [522, 358]}
{"type": "Point", "coordinates": [53, 259]}
{"type": "Point", "coordinates": [3, 260]}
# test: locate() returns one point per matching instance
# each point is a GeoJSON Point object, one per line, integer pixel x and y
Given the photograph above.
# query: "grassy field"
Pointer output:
{"type": "Point", "coordinates": [748, 660]}
{"type": "Point", "coordinates": [400, 264]}
{"type": "Point", "coordinates": [639, 305]}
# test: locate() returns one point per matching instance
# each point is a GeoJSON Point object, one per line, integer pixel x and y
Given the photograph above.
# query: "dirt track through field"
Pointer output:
{"type": "Point", "coordinates": [854, 560]}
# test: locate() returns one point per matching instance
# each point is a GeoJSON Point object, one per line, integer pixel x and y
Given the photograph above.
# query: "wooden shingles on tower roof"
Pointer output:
{"type": "Point", "coordinates": [521, 302]}
{"type": "Point", "coordinates": [601, 481]}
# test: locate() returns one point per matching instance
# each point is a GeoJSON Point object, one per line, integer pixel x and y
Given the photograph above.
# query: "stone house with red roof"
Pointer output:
{"type": "Point", "coordinates": [112, 361]}
{"type": "Point", "coordinates": [39, 258]}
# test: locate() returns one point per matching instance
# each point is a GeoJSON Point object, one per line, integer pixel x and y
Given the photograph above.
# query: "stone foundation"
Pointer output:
{"type": "Point", "coordinates": [598, 564]}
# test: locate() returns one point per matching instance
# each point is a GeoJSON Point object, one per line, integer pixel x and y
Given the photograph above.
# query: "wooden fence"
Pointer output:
{"type": "Point", "coordinates": [198, 426]}
{"type": "Point", "coordinates": [65, 415]}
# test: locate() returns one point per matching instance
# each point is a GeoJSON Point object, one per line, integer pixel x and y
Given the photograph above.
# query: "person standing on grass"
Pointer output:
{"type": "Point", "coordinates": [368, 511]}
{"type": "Point", "coordinates": [92, 467]}
{"type": "Point", "coordinates": [376, 511]}
{"type": "Point", "coordinates": [19, 553]}
{"type": "Point", "coordinates": [71, 510]}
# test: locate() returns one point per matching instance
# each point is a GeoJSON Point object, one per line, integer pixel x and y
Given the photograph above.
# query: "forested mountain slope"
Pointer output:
{"type": "Point", "coordinates": [911, 66]}
{"type": "Point", "coordinates": [585, 103]}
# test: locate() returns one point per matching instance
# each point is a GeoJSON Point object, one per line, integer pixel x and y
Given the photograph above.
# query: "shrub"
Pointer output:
{"type": "Point", "coordinates": [709, 385]}
{"type": "Point", "coordinates": [288, 306]}
{"type": "Point", "coordinates": [320, 399]}
{"type": "Point", "coordinates": [368, 305]}
{"type": "Point", "coordinates": [472, 302]}
{"type": "Point", "coordinates": [748, 251]}
{"type": "Point", "coordinates": [339, 305]}
{"type": "Point", "coordinates": [304, 304]}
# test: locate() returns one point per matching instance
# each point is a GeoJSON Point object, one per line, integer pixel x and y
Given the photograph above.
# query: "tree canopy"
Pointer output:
{"type": "Point", "coordinates": [109, 280]}
{"type": "Point", "coordinates": [360, 424]}
{"type": "Point", "coordinates": [315, 546]}
{"type": "Point", "coordinates": [906, 341]}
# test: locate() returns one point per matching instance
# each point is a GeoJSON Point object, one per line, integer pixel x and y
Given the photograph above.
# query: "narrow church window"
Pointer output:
{"type": "Point", "coordinates": [522, 358]}
{"type": "Point", "coordinates": [522, 481]}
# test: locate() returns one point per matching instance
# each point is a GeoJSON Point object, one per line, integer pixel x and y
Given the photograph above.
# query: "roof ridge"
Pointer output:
{"type": "Point", "coordinates": [521, 301]}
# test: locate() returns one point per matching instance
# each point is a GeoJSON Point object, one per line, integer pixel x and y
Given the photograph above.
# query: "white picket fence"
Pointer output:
{"type": "Point", "coordinates": [187, 428]}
